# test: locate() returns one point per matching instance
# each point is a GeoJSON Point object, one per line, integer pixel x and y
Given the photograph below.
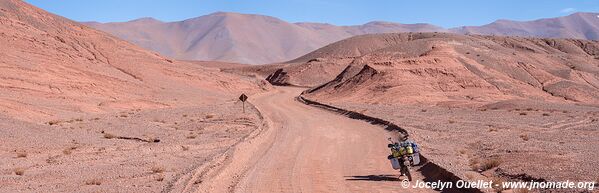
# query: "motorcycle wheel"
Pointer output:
{"type": "Point", "coordinates": [406, 171]}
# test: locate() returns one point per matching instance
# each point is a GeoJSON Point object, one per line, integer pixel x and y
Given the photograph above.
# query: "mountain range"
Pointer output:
{"type": "Point", "coordinates": [258, 39]}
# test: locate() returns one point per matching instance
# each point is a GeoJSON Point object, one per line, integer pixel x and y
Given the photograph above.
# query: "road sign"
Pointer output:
{"type": "Point", "coordinates": [243, 98]}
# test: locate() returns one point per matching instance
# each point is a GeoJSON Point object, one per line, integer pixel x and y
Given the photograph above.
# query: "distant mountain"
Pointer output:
{"type": "Point", "coordinates": [577, 26]}
{"type": "Point", "coordinates": [258, 39]}
{"type": "Point", "coordinates": [241, 38]}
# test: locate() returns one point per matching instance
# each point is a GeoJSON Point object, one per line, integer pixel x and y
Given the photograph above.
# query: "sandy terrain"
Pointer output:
{"type": "Point", "coordinates": [309, 150]}
{"type": "Point", "coordinates": [131, 151]}
{"type": "Point", "coordinates": [552, 142]}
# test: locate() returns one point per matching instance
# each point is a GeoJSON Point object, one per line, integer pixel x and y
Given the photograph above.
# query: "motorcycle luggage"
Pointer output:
{"type": "Point", "coordinates": [394, 162]}
{"type": "Point", "coordinates": [409, 149]}
{"type": "Point", "coordinates": [416, 158]}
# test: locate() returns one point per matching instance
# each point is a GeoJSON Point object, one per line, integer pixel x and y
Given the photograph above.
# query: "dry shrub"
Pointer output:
{"type": "Point", "coordinates": [523, 113]}
{"type": "Point", "coordinates": [95, 182]}
{"type": "Point", "coordinates": [493, 129]}
{"type": "Point", "coordinates": [54, 122]}
{"type": "Point", "coordinates": [423, 110]}
{"type": "Point", "coordinates": [109, 136]}
{"type": "Point", "coordinates": [185, 148]}
{"type": "Point", "coordinates": [545, 114]}
{"type": "Point", "coordinates": [210, 116]}
{"type": "Point", "coordinates": [191, 137]}
{"type": "Point", "coordinates": [485, 165]}
{"type": "Point", "coordinates": [69, 150]}
{"type": "Point", "coordinates": [19, 171]}
{"type": "Point", "coordinates": [497, 184]}
{"type": "Point", "coordinates": [489, 164]}
{"type": "Point", "coordinates": [160, 178]}
{"type": "Point", "coordinates": [524, 137]}
{"type": "Point", "coordinates": [21, 154]}
{"type": "Point", "coordinates": [184, 115]}
{"type": "Point", "coordinates": [463, 151]}
{"type": "Point", "coordinates": [451, 121]}
{"type": "Point", "coordinates": [154, 139]}
{"type": "Point", "coordinates": [158, 120]}
{"type": "Point", "coordinates": [473, 163]}
{"type": "Point", "coordinates": [469, 176]}
{"type": "Point", "coordinates": [157, 169]}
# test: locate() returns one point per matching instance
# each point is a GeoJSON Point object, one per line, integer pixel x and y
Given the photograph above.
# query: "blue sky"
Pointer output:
{"type": "Point", "coordinates": [340, 12]}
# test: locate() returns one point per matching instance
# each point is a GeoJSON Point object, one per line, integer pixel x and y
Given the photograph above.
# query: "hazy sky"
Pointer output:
{"type": "Point", "coordinates": [341, 12]}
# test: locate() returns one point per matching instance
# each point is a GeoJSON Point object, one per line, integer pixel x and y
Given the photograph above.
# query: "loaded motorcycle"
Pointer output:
{"type": "Point", "coordinates": [404, 155]}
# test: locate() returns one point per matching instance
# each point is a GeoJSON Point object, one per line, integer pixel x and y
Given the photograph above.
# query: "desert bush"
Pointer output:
{"type": "Point", "coordinates": [191, 137]}
{"type": "Point", "coordinates": [469, 176]}
{"type": "Point", "coordinates": [210, 116]}
{"type": "Point", "coordinates": [21, 154]}
{"type": "Point", "coordinates": [497, 184]}
{"type": "Point", "coordinates": [473, 163]}
{"type": "Point", "coordinates": [185, 148]}
{"type": "Point", "coordinates": [523, 113]}
{"type": "Point", "coordinates": [19, 171]}
{"type": "Point", "coordinates": [160, 178]}
{"type": "Point", "coordinates": [545, 114]}
{"type": "Point", "coordinates": [95, 182]}
{"type": "Point", "coordinates": [54, 122]}
{"type": "Point", "coordinates": [485, 165]}
{"type": "Point", "coordinates": [451, 121]}
{"type": "Point", "coordinates": [109, 136]}
{"type": "Point", "coordinates": [493, 129]}
{"type": "Point", "coordinates": [524, 137]}
{"type": "Point", "coordinates": [157, 169]}
{"type": "Point", "coordinates": [69, 150]}
{"type": "Point", "coordinates": [154, 139]}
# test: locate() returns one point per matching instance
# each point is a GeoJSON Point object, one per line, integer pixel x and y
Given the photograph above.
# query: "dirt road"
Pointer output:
{"type": "Point", "coordinates": [307, 149]}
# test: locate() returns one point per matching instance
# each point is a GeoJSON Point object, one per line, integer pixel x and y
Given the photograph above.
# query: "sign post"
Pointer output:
{"type": "Point", "coordinates": [243, 98]}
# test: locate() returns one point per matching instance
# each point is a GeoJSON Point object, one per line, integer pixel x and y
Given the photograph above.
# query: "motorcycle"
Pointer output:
{"type": "Point", "coordinates": [400, 160]}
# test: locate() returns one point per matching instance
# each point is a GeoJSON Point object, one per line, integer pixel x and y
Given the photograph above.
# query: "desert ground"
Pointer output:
{"type": "Point", "coordinates": [83, 111]}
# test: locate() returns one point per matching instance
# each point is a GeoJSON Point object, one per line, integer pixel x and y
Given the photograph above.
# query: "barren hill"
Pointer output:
{"type": "Point", "coordinates": [52, 66]}
{"type": "Point", "coordinates": [441, 67]}
{"type": "Point", "coordinates": [241, 38]}
{"type": "Point", "coordinates": [485, 107]}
